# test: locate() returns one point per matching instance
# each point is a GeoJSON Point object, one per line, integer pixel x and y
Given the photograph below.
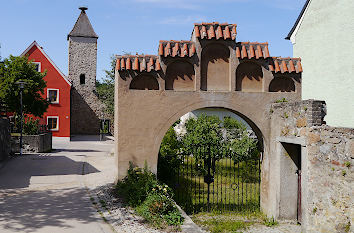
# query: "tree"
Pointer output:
{"type": "Point", "coordinates": [105, 89]}
{"type": "Point", "coordinates": [14, 69]}
{"type": "Point", "coordinates": [241, 145]}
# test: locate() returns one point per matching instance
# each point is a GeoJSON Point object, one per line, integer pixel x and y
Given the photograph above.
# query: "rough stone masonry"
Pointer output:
{"type": "Point", "coordinates": [327, 177]}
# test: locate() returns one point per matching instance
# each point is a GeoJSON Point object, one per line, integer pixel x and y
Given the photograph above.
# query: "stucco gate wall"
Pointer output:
{"type": "Point", "coordinates": [145, 106]}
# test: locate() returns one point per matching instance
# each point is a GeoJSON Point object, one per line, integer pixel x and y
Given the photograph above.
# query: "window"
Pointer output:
{"type": "Point", "coordinates": [38, 66]}
{"type": "Point", "coordinates": [53, 123]}
{"type": "Point", "coordinates": [53, 95]}
{"type": "Point", "coordinates": [82, 78]}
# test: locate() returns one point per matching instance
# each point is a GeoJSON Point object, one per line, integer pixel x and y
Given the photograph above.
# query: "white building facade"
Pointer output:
{"type": "Point", "coordinates": [323, 37]}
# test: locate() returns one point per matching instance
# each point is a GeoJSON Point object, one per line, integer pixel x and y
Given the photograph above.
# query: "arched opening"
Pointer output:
{"type": "Point", "coordinates": [249, 77]}
{"type": "Point", "coordinates": [210, 178]}
{"type": "Point", "coordinates": [180, 76]}
{"type": "Point", "coordinates": [215, 74]}
{"type": "Point", "coordinates": [282, 84]}
{"type": "Point", "coordinates": [144, 82]}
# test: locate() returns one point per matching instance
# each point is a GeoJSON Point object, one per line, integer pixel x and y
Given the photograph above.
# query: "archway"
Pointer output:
{"type": "Point", "coordinates": [226, 181]}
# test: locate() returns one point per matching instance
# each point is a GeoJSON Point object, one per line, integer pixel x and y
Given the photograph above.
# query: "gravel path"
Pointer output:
{"type": "Point", "coordinates": [121, 219]}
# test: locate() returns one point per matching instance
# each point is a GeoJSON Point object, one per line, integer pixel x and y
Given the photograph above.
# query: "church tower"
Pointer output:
{"type": "Point", "coordinates": [85, 105]}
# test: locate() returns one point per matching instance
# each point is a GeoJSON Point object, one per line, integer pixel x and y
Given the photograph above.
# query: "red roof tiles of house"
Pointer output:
{"type": "Point", "coordinates": [215, 30]}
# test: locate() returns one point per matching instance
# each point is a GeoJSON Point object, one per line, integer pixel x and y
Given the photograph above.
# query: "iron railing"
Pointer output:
{"type": "Point", "coordinates": [216, 183]}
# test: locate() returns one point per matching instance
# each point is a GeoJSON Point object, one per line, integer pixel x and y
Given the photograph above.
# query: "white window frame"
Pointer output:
{"type": "Point", "coordinates": [39, 66]}
{"type": "Point", "coordinates": [53, 89]}
{"type": "Point", "coordinates": [53, 117]}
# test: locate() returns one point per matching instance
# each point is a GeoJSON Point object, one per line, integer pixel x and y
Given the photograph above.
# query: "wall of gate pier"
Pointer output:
{"type": "Point", "coordinates": [327, 159]}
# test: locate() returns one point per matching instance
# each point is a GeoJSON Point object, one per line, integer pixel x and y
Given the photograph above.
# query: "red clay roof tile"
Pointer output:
{"type": "Point", "coordinates": [204, 32]}
{"type": "Point", "coordinates": [118, 64]}
{"type": "Point", "coordinates": [277, 67]}
{"type": "Point", "coordinates": [158, 65]}
{"type": "Point", "coordinates": [226, 33]}
{"type": "Point", "coordinates": [284, 67]}
{"type": "Point", "coordinates": [140, 62]}
{"type": "Point", "coordinates": [180, 48]}
{"type": "Point", "coordinates": [238, 53]}
{"type": "Point", "coordinates": [128, 64]}
{"type": "Point", "coordinates": [291, 66]}
{"type": "Point", "coordinates": [252, 55]}
{"type": "Point", "coordinates": [288, 65]}
{"type": "Point", "coordinates": [215, 29]}
{"type": "Point", "coordinates": [161, 50]}
{"type": "Point", "coordinates": [136, 63]}
{"type": "Point", "coordinates": [248, 50]}
{"type": "Point", "coordinates": [211, 32]}
{"type": "Point", "coordinates": [219, 33]}
{"type": "Point", "coordinates": [122, 64]}
{"type": "Point", "coordinates": [196, 30]}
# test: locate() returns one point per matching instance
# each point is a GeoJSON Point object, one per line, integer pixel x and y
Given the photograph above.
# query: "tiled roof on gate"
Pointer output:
{"type": "Point", "coordinates": [215, 30]}
{"type": "Point", "coordinates": [252, 50]}
{"type": "Point", "coordinates": [285, 65]}
{"type": "Point", "coordinates": [175, 48]}
{"type": "Point", "coordinates": [138, 63]}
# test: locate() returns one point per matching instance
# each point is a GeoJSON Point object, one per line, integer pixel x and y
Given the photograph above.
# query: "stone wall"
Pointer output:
{"type": "Point", "coordinates": [33, 143]}
{"type": "Point", "coordinates": [327, 164]}
{"type": "Point", "coordinates": [85, 108]}
{"type": "Point", "coordinates": [5, 145]}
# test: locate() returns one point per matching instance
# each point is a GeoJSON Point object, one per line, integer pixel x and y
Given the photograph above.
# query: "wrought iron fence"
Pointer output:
{"type": "Point", "coordinates": [39, 128]}
{"type": "Point", "coordinates": [216, 183]}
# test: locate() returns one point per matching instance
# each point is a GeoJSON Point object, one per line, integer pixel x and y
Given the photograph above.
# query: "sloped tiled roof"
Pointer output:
{"type": "Point", "coordinates": [138, 63]}
{"type": "Point", "coordinates": [285, 65]}
{"type": "Point", "coordinates": [175, 48]}
{"type": "Point", "coordinates": [215, 30]}
{"type": "Point", "coordinates": [252, 50]}
{"type": "Point", "coordinates": [83, 27]}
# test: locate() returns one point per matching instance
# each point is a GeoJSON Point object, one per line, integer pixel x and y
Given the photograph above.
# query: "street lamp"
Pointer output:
{"type": "Point", "coordinates": [22, 86]}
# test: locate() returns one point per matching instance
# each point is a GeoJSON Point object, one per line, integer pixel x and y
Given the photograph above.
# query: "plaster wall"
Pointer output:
{"type": "Point", "coordinates": [324, 42]}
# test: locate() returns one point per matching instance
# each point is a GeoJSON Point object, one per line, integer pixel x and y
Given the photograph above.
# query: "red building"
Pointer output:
{"type": "Point", "coordinates": [57, 91]}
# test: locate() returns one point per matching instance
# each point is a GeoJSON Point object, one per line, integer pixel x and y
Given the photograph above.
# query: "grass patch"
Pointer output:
{"type": "Point", "coordinates": [231, 222]}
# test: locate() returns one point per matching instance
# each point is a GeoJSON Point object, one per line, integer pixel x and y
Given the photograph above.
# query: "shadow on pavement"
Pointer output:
{"type": "Point", "coordinates": [32, 210]}
{"type": "Point", "coordinates": [19, 170]}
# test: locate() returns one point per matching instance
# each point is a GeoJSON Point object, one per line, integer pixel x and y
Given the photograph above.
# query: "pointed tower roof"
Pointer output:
{"type": "Point", "coordinates": [83, 27]}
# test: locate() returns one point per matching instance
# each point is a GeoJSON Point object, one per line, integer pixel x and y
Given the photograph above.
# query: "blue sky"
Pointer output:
{"type": "Point", "coordinates": [138, 25]}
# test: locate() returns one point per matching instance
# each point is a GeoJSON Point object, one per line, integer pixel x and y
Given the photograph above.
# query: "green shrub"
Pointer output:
{"type": "Point", "coordinates": [135, 187]}
{"type": "Point", "coordinates": [151, 200]}
{"type": "Point", "coordinates": [160, 210]}
{"type": "Point", "coordinates": [31, 126]}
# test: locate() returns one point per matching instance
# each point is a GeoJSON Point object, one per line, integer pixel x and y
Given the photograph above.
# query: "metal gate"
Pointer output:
{"type": "Point", "coordinates": [217, 183]}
